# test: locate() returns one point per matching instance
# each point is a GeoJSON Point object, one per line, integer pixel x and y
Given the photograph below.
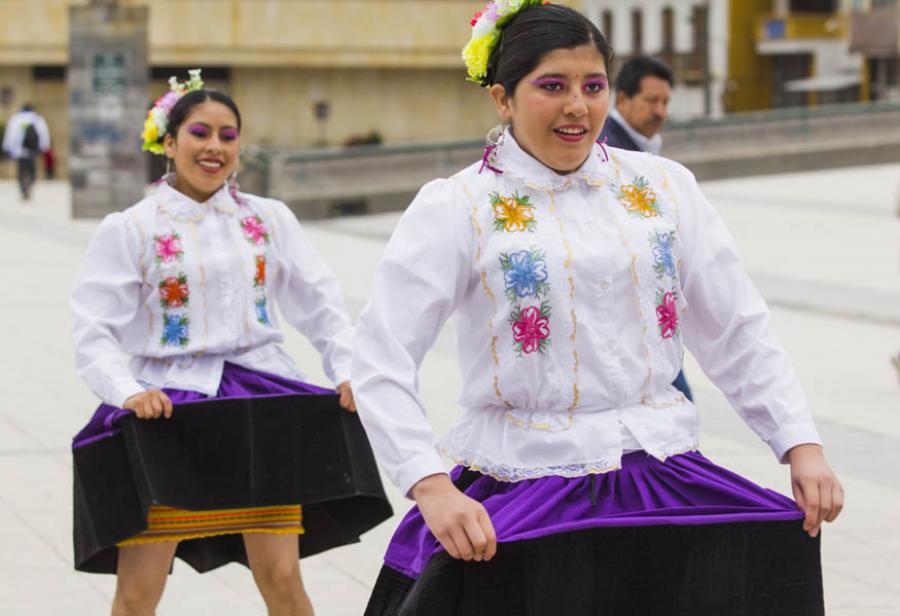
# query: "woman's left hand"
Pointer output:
{"type": "Point", "coordinates": [816, 487]}
{"type": "Point", "coordinates": [346, 394]}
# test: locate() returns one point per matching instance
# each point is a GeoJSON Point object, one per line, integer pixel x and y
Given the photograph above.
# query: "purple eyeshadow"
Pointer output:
{"type": "Point", "coordinates": [198, 130]}
{"type": "Point", "coordinates": [228, 134]}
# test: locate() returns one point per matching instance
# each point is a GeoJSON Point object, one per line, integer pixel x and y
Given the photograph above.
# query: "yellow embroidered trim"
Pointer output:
{"type": "Point", "coordinates": [487, 291]}
{"type": "Point", "coordinates": [576, 393]}
{"type": "Point", "coordinates": [637, 297]}
{"type": "Point", "coordinates": [184, 537]}
{"type": "Point", "coordinates": [143, 252]}
{"type": "Point", "coordinates": [192, 225]}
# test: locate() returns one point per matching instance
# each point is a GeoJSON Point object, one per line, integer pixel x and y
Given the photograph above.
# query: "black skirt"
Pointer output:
{"type": "Point", "coordinates": [750, 568]}
{"type": "Point", "coordinates": [251, 452]}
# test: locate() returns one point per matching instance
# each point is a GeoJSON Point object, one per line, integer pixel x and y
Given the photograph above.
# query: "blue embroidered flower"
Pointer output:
{"type": "Point", "coordinates": [663, 260]}
{"type": "Point", "coordinates": [262, 312]}
{"type": "Point", "coordinates": [524, 274]}
{"type": "Point", "coordinates": [175, 330]}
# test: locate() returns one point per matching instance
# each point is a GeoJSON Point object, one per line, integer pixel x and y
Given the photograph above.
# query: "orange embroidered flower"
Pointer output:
{"type": "Point", "coordinates": [639, 199]}
{"type": "Point", "coordinates": [260, 279]}
{"type": "Point", "coordinates": [174, 292]}
{"type": "Point", "coordinates": [512, 213]}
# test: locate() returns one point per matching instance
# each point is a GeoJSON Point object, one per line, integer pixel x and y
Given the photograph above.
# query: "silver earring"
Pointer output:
{"type": "Point", "coordinates": [168, 168]}
{"type": "Point", "coordinates": [495, 135]}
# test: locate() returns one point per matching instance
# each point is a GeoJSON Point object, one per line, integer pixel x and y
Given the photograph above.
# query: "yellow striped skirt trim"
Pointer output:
{"type": "Point", "coordinates": [171, 524]}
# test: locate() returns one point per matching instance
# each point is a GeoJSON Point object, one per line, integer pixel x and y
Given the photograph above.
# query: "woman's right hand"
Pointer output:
{"type": "Point", "coordinates": [461, 524]}
{"type": "Point", "coordinates": [149, 404]}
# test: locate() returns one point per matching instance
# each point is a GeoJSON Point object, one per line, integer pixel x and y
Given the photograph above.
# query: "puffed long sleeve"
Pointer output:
{"type": "Point", "coordinates": [309, 296]}
{"type": "Point", "coordinates": [105, 297]}
{"type": "Point", "coordinates": [726, 327]}
{"type": "Point", "coordinates": [422, 276]}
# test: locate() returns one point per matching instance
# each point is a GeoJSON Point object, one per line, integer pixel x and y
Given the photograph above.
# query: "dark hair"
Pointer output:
{"type": "Point", "coordinates": [629, 80]}
{"type": "Point", "coordinates": [186, 103]}
{"type": "Point", "coordinates": [535, 32]}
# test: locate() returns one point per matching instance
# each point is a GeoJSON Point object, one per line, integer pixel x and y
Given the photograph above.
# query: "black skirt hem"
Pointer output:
{"type": "Point", "coordinates": [732, 569]}
{"type": "Point", "coordinates": [253, 452]}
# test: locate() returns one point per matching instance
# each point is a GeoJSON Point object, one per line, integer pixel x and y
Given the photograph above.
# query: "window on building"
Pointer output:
{"type": "Point", "coordinates": [606, 25]}
{"type": "Point", "coordinates": [48, 72]}
{"type": "Point", "coordinates": [637, 32]}
{"type": "Point", "coordinates": [814, 6]}
{"type": "Point", "coordinates": [668, 29]}
{"type": "Point", "coordinates": [210, 73]}
{"type": "Point", "coordinates": [699, 21]}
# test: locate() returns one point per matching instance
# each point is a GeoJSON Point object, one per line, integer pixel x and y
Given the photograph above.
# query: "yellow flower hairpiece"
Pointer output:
{"type": "Point", "coordinates": [157, 121]}
{"type": "Point", "coordinates": [487, 26]}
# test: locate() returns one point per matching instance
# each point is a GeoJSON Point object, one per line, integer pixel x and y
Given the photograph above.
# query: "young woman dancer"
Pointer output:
{"type": "Point", "coordinates": [577, 274]}
{"type": "Point", "coordinates": [174, 305]}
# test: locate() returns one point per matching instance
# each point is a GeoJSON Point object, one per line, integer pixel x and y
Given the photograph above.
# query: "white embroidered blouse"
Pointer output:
{"type": "Point", "coordinates": [171, 289]}
{"type": "Point", "coordinates": [573, 298]}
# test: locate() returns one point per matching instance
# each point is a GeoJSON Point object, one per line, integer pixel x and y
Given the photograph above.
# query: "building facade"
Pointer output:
{"type": "Point", "coordinates": [875, 33]}
{"type": "Point", "coordinates": [304, 72]}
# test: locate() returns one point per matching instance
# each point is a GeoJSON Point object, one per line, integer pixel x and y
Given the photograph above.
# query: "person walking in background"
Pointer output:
{"type": "Point", "coordinates": [643, 88]}
{"type": "Point", "coordinates": [26, 137]}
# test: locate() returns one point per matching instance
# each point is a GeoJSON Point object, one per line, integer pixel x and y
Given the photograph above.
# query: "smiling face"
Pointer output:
{"type": "Point", "coordinates": [205, 150]}
{"type": "Point", "coordinates": [557, 111]}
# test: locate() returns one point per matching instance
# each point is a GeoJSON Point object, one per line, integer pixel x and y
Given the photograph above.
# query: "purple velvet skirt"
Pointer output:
{"type": "Point", "coordinates": [237, 382]}
{"type": "Point", "coordinates": [685, 489]}
{"type": "Point", "coordinates": [679, 537]}
{"type": "Point", "coordinates": [262, 440]}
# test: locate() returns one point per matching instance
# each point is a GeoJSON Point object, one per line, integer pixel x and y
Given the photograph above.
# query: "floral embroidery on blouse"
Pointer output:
{"type": "Point", "coordinates": [531, 328]}
{"type": "Point", "coordinates": [667, 313]}
{"type": "Point", "coordinates": [175, 330]}
{"type": "Point", "coordinates": [259, 280]}
{"type": "Point", "coordinates": [262, 311]}
{"type": "Point", "coordinates": [524, 274]}
{"type": "Point", "coordinates": [639, 199]}
{"type": "Point", "coordinates": [663, 260]}
{"type": "Point", "coordinates": [168, 248]}
{"type": "Point", "coordinates": [174, 292]}
{"type": "Point", "coordinates": [513, 213]}
{"type": "Point", "coordinates": [255, 230]}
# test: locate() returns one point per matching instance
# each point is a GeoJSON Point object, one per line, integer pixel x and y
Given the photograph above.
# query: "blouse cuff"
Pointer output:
{"type": "Point", "coordinates": [790, 436]}
{"type": "Point", "coordinates": [412, 471]}
{"type": "Point", "coordinates": [120, 392]}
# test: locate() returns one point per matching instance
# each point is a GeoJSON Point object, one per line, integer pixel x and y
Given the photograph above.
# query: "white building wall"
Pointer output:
{"type": "Point", "coordinates": [689, 101]}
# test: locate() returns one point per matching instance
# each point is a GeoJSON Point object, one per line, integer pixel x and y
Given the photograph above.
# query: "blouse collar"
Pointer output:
{"type": "Point", "coordinates": [181, 207]}
{"type": "Point", "coordinates": [512, 161]}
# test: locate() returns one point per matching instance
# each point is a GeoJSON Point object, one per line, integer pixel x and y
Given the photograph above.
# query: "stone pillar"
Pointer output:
{"type": "Point", "coordinates": [108, 77]}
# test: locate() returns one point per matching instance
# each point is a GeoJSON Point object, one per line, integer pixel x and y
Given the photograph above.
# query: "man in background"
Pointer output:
{"type": "Point", "coordinates": [643, 88]}
{"type": "Point", "coordinates": [25, 138]}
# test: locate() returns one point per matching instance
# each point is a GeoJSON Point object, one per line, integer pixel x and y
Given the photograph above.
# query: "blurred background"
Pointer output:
{"type": "Point", "coordinates": [319, 79]}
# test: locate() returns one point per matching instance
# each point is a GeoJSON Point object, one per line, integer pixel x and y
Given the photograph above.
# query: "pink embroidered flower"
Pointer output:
{"type": "Point", "coordinates": [667, 314]}
{"type": "Point", "coordinates": [255, 230]}
{"type": "Point", "coordinates": [531, 328]}
{"type": "Point", "coordinates": [168, 248]}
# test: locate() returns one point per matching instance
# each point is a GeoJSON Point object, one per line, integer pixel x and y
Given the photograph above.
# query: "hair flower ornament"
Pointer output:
{"type": "Point", "coordinates": [158, 117]}
{"type": "Point", "coordinates": [486, 28]}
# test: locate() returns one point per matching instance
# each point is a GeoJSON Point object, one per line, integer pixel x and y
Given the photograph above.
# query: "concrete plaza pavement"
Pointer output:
{"type": "Point", "coordinates": [821, 246]}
